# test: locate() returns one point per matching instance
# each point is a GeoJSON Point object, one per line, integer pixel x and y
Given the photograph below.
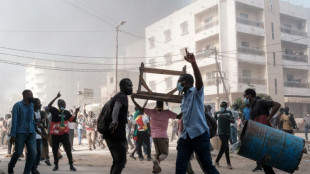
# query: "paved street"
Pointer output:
{"type": "Point", "coordinates": [99, 161]}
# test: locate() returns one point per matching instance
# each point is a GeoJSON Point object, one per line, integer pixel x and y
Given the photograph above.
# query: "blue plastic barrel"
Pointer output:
{"type": "Point", "coordinates": [270, 146]}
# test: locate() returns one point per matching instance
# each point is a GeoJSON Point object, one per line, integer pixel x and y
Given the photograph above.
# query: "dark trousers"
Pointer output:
{"type": "Point", "coordinates": [71, 136]}
{"type": "Point", "coordinates": [224, 148]}
{"type": "Point", "coordinates": [30, 140]}
{"type": "Point", "coordinates": [118, 151]}
{"type": "Point", "coordinates": [200, 145]}
{"type": "Point", "coordinates": [64, 139]}
{"type": "Point", "coordinates": [267, 169]}
{"type": "Point", "coordinates": [45, 149]}
{"type": "Point", "coordinates": [143, 137]}
{"type": "Point", "coordinates": [9, 147]}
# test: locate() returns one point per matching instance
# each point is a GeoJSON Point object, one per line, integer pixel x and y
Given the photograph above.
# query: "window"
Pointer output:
{"type": "Point", "coordinates": [152, 42]}
{"type": "Point", "coordinates": [209, 20]}
{"type": "Point", "coordinates": [272, 31]}
{"type": "Point", "coordinates": [211, 78]}
{"type": "Point", "coordinates": [275, 86]}
{"type": "Point", "coordinates": [287, 26]}
{"type": "Point", "coordinates": [168, 58]}
{"type": "Point", "coordinates": [246, 73]}
{"type": "Point", "coordinates": [290, 77]}
{"type": "Point", "coordinates": [184, 28]}
{"type": "Point", "coordinates": [274, 59]}
{"type": "Point", "coordinates": [270, 2]}
{"type": "Point", "coordinates": [288, 51]}
{"type": "Point", "coordinates": [245, 44]}
{"type": "Point", "coordinates": [168, 81]}
{"type": "Point", "coordinates": [244, 16]}
{"type": "Point", "coordinates": [153, 85]}
{"type": "Point", "coordinates": [167, 34]}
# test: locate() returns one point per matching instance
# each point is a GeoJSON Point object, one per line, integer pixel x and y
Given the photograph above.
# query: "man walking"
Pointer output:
{"type": "Point", "coordinates": [195, 136]}
{"type": "Point", "coordinates": [23, 132]}
{"type": "Point", "coordinates": [306, 123]}
{"type": "Point", "coordinates": [233, 126]}
{"type": "Point", "coordinates": [225, 118]}
{"type": "Point", "coordinates": [116, 138]}
{"type": "Point", "coordinates": [90, 125]}
{"type": "Point", "coordinates": [60, 131]}
{"type": "Point", "coordinates": [260, 112]}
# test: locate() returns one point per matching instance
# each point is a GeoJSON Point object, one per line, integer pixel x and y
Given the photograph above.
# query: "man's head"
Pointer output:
{"type": "Point", "coordinates": [281, 110]}
{"type": "Point", "coordinates": [126, 86]}
{"type": "Point", "coordinates": [61, 104]}
{"type": "Point", "coordinates": [235, 107]}
{"type": "Point", "coordinates": [208, 108]}
{"type": "Point", "coordinates": [286, 110]}
{"type": "Point", "coordinates": [223, 106]}
{"type": "Point", "coordinates": [185, 82]}
{"type": "Point", "coordinates": [27, 96]}
{"type": "Point", "coordinates": [159, 105]}
{"type": "Point", "coordinates": [90, 113]}
{"type": "Point", "coordinates": [249, 95]}
{"type": "Point", "coordinates": [36, 104]}
{"type": "Point", "coordinates": [7, 116]}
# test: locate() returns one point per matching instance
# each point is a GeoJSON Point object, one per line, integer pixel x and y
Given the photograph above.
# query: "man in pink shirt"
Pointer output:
{"type": "Point", "coordinates": [159, 126]}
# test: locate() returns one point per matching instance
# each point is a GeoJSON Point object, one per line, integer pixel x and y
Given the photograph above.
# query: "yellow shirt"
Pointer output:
{"type": "Point", "coordinates": [286, 122]}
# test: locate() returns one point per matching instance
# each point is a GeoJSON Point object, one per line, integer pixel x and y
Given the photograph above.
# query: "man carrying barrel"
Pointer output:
{"type": "Point", "coordinates": [260, 113]}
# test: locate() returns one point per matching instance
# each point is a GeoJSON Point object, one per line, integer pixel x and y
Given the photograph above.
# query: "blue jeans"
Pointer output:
{"type": "Point", "coordinates": [233, 135]}
{"type": "Point", "coordinates": [80, 134]}
{"type": "Point", "coordinates": [30, 140]}
{"type": "Point", "coordinates": [201, 146]}
{"type": "Point", "coordinates": [38, 157]}
{"type": "Point", "coordinates": [306, 132]}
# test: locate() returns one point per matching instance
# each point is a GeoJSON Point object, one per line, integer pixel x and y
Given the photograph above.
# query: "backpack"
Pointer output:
{"type": "Point", "coordinates": [105, 117]}
{"type": "Point", "coordinates": [212, 125]}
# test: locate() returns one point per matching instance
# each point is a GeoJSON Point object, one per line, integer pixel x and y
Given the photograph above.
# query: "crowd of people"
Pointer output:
{"type": "Point", "coordinates": [35, 130]}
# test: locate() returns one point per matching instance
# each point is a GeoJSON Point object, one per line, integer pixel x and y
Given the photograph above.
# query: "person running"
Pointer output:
{"type": "Point", "coordinates": [260, 112]}
{"type": "Point", "coordinates": [286, 123]}
{"type": "Point", "coordinates": [116, 138]}
{"type": "Point", "coordinates": [195, 136]}
{"type": "Point", "coordinates": [159, 125]}
{"type": "Point", "coordinates": [60, 131]}
{"type": "Point", "coordinates": [23, 132]}
{"type": "Point", "coordinates": [225, 118]}
{"type": "Point", "coordinates": [90, 125]}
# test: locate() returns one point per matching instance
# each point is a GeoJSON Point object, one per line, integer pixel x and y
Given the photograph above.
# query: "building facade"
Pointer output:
{"type": "Point", "coordinates": [262, 44]}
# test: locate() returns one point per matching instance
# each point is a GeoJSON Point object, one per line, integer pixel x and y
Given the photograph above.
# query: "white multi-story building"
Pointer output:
{"type": "Point", "coordinates": [45, 84]}
{"type": "Point", "coordinates": [260, 43]}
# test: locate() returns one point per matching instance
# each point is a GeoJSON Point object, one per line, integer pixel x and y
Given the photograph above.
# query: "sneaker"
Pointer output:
{"type": "Point", "coordinates": [217, 164]}
{"type": "Point", "coordinates": [131, 156]}
{"type": "Point", "coordinates": [10, 170]}
{"type": "Point", "coordinates": [72, 168]}
{"type": "Point", "coordinates": [8, 155]}
{"type": "Point", "coordinates": [90, 149]}
{"type": "Point", "coordinates": [257, 169]}
{"type": "Point", "coordinates": [48, 162]}
{"type": "Point", "coordinates": [60, 157]}
{"type": "Point", "coordinates": [36, 172]}
{"type": "Point", "coordinates": [55, 168]}
{"type": "Point", "coordinates": [229, 166]}
{"type": "Point", "coordinates": [156, 168]}
{"type": "Point", "coordinates": [141, 159]}
{"type": "Point", "coordinates": [149, 159]}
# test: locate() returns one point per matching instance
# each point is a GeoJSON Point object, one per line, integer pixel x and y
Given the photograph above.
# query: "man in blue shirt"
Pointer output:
{"type": "Point", "coordinates": [195, 136]}
{"type": "Point", "coordinates": [246, 112]}
{"type": "Point", "coordinates": [23, 132]}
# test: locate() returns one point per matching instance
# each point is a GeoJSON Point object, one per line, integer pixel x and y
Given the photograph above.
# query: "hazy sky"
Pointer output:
{"type": "Point", "coordinates": [62, 26]}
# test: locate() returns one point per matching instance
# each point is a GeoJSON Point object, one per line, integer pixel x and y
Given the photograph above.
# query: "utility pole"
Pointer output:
{"type": "Point", "coordinates": [221, 76]}
{"type": "Point", "coordinates": [116, 58]}
{"type": "Point", "coordinates": [217, 89]}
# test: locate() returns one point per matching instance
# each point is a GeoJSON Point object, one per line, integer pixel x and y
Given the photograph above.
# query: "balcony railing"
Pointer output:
{"type": "Point", "coordinates": [207, 26]}
{"type": "Point", "coordinates": [204, 54]}
{"type": "Point", "coordinates": [295, 57]}
{"type": "Point", "coordinates": [296, 84]}
{"type": "Point", "coordinates": [249, 50]}
{"type": "Point", "coordinates": [247, 80]}
{"type": "Point", "coordinates": [250, 22]}
{"type": "Point", "coordinates": [293, 32]}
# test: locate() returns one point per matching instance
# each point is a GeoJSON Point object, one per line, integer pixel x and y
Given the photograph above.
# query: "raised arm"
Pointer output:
{"type": "Point", "coordinates": [51, 103]}
{"type": "Point", "coordinates": [191, 59]}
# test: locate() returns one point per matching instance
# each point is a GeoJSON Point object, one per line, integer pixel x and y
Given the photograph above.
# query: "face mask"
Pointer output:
{"type": "Point", "coordinates": [62, 108]}
{"type": "Point", "coordinates": [222, 109]}
{"type": "Point", "coordinates": [180, 87]}
{"type": "Point", "coordinates": [246, 101]}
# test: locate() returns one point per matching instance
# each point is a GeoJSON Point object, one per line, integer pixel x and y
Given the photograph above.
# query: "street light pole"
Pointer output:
{"type": "Point", "coordinates": [116, 58]}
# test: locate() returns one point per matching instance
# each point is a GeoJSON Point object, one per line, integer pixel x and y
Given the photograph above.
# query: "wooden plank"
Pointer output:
{"type": "Point", "coordinates": [172, 92]}
{"type": "Point", "coordinates": [141, 75]}
{"type": "Point", "coordinates": [145, 85]}
{"type": "Point", "coordinates": [173, 99]}
{"type": "Point", "coordinates": [161, 71]}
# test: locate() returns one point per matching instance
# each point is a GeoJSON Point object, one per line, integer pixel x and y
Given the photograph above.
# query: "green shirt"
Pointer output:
{"type": "Point", "coordinates": [223, 124]}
